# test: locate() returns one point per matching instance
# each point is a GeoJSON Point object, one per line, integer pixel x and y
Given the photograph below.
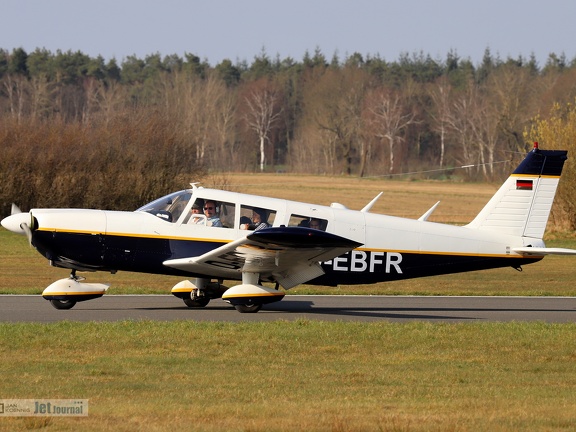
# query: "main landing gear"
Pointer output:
{"type": "Point", "coordinates": [199, 292]}
{"type": "Point", "coordinates": [247, 297]}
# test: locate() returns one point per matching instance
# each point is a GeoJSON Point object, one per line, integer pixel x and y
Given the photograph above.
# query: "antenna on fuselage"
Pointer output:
{"type": "Point", "coordinates": [426, 215]}
{"type": "Point", "coordinates": [371, 203]}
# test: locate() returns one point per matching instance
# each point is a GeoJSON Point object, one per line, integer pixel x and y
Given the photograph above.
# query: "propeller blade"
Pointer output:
{"type": "Point", "coordinates": [27, 231]}
{"type": "Point", "coordinates": [15, 209]}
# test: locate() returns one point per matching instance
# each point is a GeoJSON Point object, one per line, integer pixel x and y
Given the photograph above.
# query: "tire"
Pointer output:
{"type": "Point", "coordinates": [198, 303]}
{"type": "Point", "coordinates": [63, 304]}
{"type": "Point", "coordinates": [253, 308]}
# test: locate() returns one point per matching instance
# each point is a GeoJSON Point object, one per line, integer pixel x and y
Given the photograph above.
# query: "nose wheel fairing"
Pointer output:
{"type": "Point", "coordinates": [65, 293]}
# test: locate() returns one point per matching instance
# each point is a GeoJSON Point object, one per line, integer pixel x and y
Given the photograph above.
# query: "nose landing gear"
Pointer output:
{"type": "Point", "coordinates": [65, 293]}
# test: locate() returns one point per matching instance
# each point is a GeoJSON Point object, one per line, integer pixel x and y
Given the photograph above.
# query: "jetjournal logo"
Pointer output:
{"type": "Point", "coordinates": [43, 407]}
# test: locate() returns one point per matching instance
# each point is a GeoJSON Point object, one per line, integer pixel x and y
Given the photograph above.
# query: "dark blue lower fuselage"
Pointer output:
{"type": "Point", "coordinates": [111, 253]}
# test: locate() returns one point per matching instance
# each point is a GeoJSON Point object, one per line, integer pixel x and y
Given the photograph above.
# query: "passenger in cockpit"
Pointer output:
{"type": "Point", "coordinates": [315, 224]}
{"type": "Point", "coordinates": [245, 222]}
{"type": "Point", "coordinates": [259, 219]}
{"type": "Point", "coordinates": [197, 208]}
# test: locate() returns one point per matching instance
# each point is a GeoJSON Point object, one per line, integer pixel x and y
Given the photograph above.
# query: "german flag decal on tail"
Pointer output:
{"type": "Point", "coordinates": [524, 184]}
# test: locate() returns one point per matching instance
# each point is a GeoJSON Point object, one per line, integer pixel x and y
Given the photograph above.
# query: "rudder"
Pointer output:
{"type": "Point", "coordinates": [522, 204]}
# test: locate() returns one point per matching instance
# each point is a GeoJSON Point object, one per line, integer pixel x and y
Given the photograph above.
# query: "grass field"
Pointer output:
{"type": "Point", "coordinates": [302, 375]}
{"type": "Point", "coordinates": [286, 376]}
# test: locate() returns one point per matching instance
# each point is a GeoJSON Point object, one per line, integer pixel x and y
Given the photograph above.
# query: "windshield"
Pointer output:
{"type": "Point", "coordinates": [169, 207]}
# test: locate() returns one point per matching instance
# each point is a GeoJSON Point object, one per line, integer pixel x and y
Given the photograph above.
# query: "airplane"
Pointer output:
{"type": "Point", "coordinates": [257, 240]}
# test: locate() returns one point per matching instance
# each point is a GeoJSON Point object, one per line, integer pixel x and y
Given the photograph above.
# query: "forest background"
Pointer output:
{"type": "Point", "coordinates": [77, 131]}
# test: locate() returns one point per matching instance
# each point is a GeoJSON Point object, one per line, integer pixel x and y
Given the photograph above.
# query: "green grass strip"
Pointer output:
{"type": "Point", "coordinates": [301, 375]}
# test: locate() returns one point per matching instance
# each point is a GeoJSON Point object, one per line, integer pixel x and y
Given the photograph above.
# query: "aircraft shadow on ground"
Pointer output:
{"type": "Point", "coordinates": [365, 312]}
{"type": "Point", "coordinates": [398, 312]}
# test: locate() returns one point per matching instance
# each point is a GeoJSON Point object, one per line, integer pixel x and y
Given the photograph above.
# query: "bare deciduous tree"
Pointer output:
{"type": "Point", "coordinates": [41, 92]}
{"type": "Point", "coordinates": [459, 120]}
{"type": "Point", "coordinates": [440, 92]}
{"type": "Point", "coordinates": [263, 114]}
{"type": "Point", "coordinates": [335, 108]}
{"type": "Point", "coordinates": [389, 118]}
{"type": "Point", "coordinates": [111, 101]}
{"type": "Point", "coordinates": [15, 86]}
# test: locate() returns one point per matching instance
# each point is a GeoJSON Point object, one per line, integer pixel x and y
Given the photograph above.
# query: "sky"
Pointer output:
{"type": "Point", "coordinates": [236, 30]}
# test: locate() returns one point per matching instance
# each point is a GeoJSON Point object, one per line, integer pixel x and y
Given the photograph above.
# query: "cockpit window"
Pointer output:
{"type": "Point", "coordinates": [169, 207]}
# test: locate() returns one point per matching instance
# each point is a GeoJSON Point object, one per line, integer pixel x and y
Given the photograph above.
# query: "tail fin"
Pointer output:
{"type": "Point", "coordinates": [522, 204]}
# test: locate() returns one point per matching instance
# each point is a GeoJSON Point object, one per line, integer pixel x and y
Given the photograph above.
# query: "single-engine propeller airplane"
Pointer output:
{"type": "Point", "coordinates": [255, 239]}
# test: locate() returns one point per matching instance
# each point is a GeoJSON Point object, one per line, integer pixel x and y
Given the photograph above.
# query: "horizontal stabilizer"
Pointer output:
{"type": "Point", "coordinates": [543, 251]}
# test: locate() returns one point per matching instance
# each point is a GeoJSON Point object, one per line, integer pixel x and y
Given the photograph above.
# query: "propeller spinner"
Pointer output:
{"type": "Point", "coordinates": [19, 222]}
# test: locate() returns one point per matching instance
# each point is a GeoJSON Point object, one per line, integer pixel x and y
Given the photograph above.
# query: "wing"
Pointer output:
{"type": "Point", "coordinates": [287, 255]}
{"type": "Point", "coordinates": [543, 251]}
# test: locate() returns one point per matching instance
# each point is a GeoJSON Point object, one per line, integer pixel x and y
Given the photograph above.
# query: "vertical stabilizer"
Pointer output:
{"type": "Point", "coordinates": [522, 204]}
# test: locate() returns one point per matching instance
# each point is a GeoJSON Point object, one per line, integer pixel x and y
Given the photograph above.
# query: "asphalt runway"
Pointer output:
{"type": "Point", "coordinates": [28, 308]}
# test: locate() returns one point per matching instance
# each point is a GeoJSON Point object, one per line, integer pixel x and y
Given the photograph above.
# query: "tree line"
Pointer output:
{"type": "Point", "coordinates": [82, 131]}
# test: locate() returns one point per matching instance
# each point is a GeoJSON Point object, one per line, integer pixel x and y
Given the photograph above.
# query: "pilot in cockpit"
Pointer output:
{"type": "Point", "coordinates": [211, 213]}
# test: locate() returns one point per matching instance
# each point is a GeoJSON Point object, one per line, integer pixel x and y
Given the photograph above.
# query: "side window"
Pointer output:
{"type": "Point", "coordinates": [308, 222]}
{"type": "Point", "coordinates": [255, 218]}
{"type": "Point", "coordinates": [226, 212]}
{"type": "Point", "coordinates": [211, 213]}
